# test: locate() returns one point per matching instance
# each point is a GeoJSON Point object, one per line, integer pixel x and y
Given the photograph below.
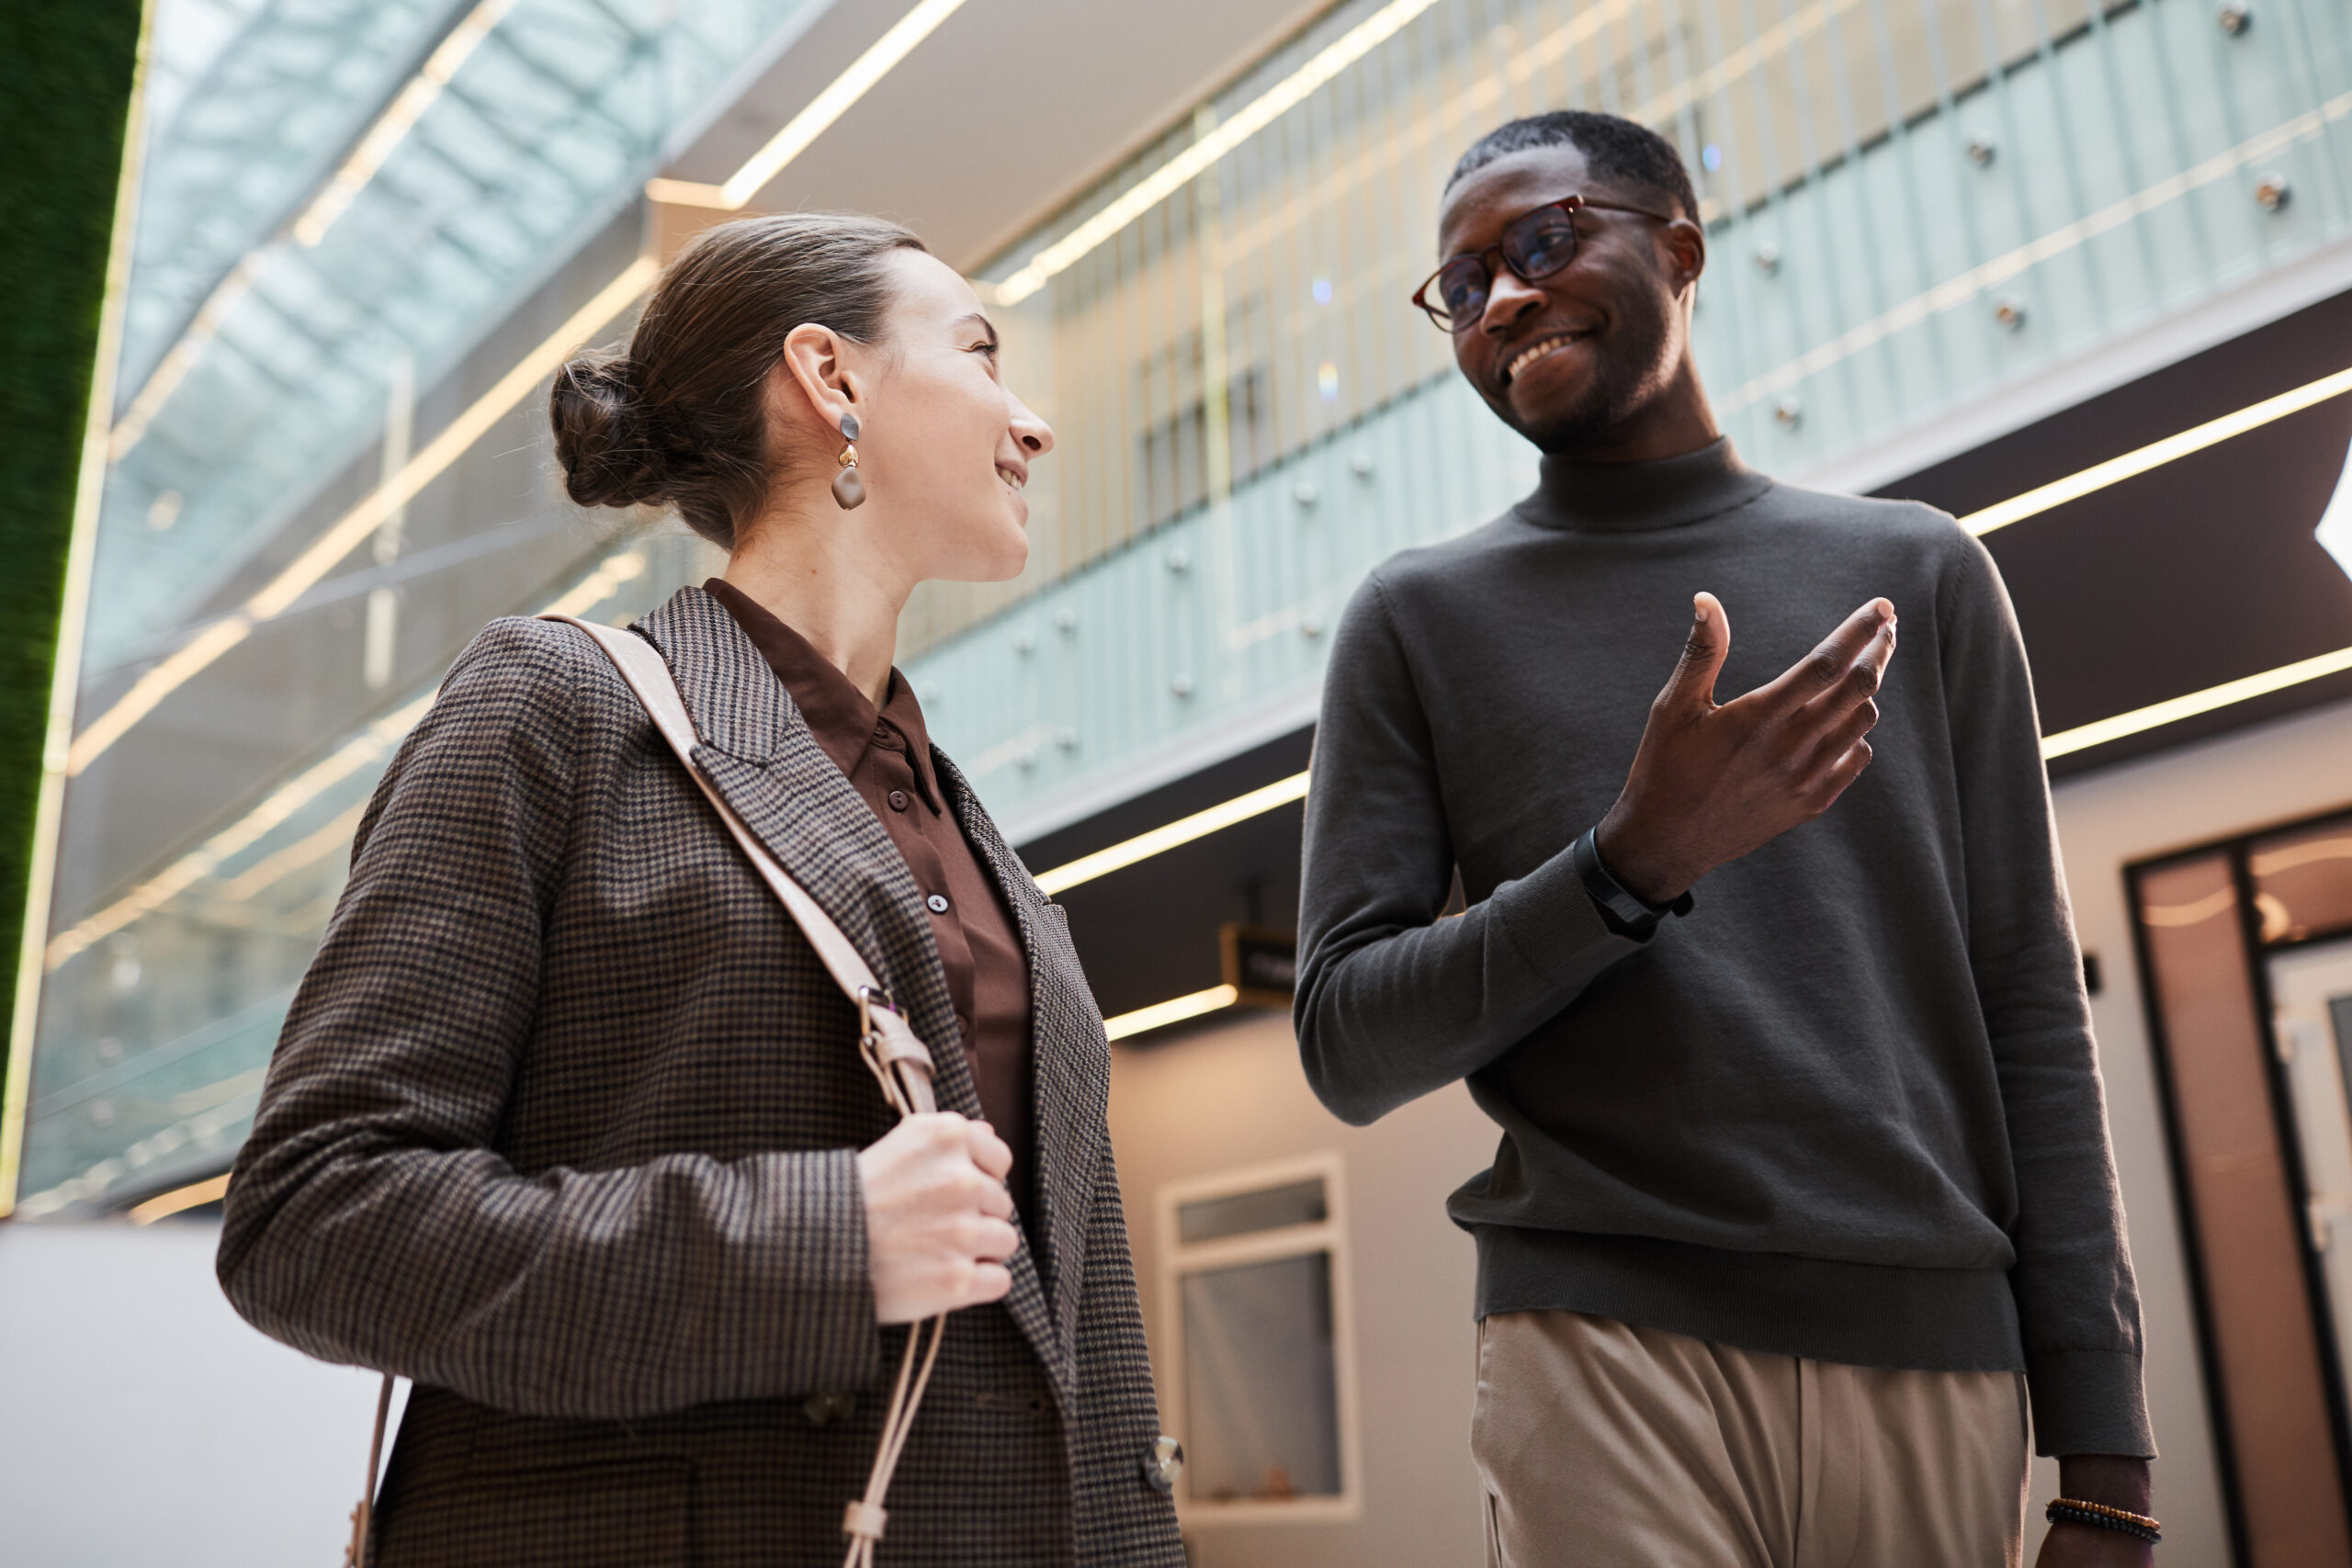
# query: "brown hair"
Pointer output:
{"type": "Point", "coordinates": [678, 419]}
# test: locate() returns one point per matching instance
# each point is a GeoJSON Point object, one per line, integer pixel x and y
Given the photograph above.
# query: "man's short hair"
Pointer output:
{"type": "Point", "coordinates": [1619, 151]}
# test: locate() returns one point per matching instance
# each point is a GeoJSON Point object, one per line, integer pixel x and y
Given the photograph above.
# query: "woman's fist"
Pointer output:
{"type": "Point", "coordinates": [938, 1219]}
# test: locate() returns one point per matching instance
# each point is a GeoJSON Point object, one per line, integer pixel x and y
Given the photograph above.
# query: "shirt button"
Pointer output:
{"type": "Point", "coordinates": [1163, 1462]}
{"type": "Point", "coordinates": [937, 903]}
{"type": "Point", "coordinates": [897, 800]}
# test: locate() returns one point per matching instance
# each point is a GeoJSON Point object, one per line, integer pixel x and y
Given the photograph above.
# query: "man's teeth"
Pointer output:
{"type": "Point", "coordinates": [1536, 351]}
{"type": "Point", "coordinates": [1009, 477]}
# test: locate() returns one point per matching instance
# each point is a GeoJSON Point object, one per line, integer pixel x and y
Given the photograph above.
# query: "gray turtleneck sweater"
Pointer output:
{"type": "Point", "coordinates": [1848, 1107]}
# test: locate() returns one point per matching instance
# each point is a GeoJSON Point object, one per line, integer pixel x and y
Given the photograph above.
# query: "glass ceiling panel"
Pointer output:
{"type": "Point", "coordinates": [249, 103]}
{"type": "Point", "coordinates": [478, 144]}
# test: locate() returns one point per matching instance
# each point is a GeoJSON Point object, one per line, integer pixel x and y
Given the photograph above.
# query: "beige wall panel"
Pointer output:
{"type": "Point", "coordinates": [1235, 1097]}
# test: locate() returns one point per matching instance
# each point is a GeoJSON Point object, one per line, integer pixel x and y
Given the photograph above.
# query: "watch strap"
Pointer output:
{"type": "Point", "coordinates": [1627, 907]}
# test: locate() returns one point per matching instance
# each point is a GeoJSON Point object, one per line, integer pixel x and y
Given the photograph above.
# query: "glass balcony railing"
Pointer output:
{"type": "Point", "coordinates": [1911, 204]}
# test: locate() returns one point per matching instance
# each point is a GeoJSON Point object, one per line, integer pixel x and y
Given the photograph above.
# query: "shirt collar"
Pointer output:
{"type": "Point", "coordinates": [1630, 497]}
{"type": "Point", "coordinates": [841, 717]}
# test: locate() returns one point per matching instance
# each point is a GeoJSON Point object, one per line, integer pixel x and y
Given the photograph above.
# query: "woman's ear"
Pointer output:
{"type": "Point", "coordinates": [812, 380]}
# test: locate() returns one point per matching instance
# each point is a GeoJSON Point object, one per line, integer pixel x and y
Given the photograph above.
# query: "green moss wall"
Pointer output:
{"type": "Point", "coordinates": [66, 70]}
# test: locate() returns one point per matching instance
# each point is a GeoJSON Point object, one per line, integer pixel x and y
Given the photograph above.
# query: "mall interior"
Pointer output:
{"type": "Point", "coordinates": [2077, 271]}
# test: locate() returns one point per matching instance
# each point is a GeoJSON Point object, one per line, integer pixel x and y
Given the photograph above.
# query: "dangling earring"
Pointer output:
{"type": "Point", "coordinates": [849, 489]}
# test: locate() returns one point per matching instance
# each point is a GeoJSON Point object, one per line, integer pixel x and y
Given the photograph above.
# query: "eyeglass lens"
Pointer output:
{"type": "Point", "coordinates": [1534, 246]}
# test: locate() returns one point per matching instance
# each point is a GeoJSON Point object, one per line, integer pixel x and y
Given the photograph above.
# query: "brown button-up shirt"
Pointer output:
{"type": "Point", "coordinates": [886, 757]}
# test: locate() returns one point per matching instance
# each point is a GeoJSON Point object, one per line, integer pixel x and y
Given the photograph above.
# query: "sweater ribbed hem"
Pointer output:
{"type": "Point", "coordinates": [1863, 1315]}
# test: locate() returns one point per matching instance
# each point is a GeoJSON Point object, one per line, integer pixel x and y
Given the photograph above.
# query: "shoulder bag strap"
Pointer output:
{"type": "Point", "coordinates": [891, 1050]}
{"type": "Point", "coordinates": [897, 1054]}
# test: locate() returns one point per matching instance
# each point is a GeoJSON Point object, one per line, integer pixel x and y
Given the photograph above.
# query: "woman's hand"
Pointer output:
{"type": "Point", "coordinates": [938, 1219]}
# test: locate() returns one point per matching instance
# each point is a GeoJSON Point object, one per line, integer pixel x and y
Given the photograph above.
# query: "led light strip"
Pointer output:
{"type": "Point", "coordinates": [371, 744]}
{"type": "Point", "coordinates": [1176, 1010]}
{"type": "Point", "coordinates": [354, 527]}
{"type": "Point", "coordinates": [2175, 709]}
{"type": "Point", "coordinates": [815, 120]}
{"type": "Point", "coordinates": [375, 145]}
{"type": "Point", "coordinates": [1183, 830]}
{"type": "Point", "coordinates": [394, 124]}
{"type": "Point", "coordinates": [2115, 470]}
{"type": "Point", "coordinates": [180, 1199]}
{"type": "Point", "coordinates": [1188, 164]}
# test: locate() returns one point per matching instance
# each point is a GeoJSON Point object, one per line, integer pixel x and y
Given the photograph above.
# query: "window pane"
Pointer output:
{"type": "Point", "coordinates": [1258, 1385]}
{"type": "Point", "coordinates": [1269, 1208]}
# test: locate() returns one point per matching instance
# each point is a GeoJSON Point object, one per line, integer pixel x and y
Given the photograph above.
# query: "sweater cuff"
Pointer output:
{"type": "Point", "coordinates": [2088, 1402]}
{"type": "Point", "coordinates": [1557, 928]}
{"type": "Point", "coordinates": [811, 1283]}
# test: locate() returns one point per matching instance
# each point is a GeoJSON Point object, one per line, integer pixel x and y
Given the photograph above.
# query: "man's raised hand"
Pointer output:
{"type": "Point", "coordinates": [1710, 781]}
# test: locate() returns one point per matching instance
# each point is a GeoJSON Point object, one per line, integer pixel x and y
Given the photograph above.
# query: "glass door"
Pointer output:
{"type": "Point", "coordinates": [2311, 990]}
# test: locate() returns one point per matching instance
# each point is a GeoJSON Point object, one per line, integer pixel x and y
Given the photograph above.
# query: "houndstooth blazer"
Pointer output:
{"type": "Point", "coordinates": [562, 1126]}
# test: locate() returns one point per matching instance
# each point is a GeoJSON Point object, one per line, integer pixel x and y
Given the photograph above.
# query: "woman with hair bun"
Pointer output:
{"type": "Point", "coordinates": [568, 1122]}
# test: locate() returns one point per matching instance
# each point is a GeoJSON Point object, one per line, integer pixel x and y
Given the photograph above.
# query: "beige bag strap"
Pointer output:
{"type": "Point", "coordinates": [891, 1050]}
{"type": "Point", "coordinates": [896, 1046]}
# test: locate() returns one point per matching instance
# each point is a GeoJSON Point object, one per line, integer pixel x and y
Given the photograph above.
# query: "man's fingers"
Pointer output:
{"type": "Point", "coordinates": [1851, 658]}
{"type": "Point", "coordinates": [1692, 684]}
{"type": "Point", "coordinates": [1849, 727]}
{"type": "Point", "coordinates": [1847, 769]}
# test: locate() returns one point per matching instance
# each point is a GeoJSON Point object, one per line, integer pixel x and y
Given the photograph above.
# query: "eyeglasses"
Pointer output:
{"type": "Point", "coordinates": [1534, 245]}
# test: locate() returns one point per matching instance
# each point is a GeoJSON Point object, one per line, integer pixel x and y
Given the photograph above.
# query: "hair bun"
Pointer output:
{"type": "Point", "coordinates": [602, 438]}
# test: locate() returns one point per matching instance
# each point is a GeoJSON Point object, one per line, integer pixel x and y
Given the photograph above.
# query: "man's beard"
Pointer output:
{"type": "Point", "coordinates": [1633, 368]}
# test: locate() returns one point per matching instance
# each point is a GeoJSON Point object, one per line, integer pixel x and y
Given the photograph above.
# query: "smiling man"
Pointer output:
{"type": "Point", "coordinates": [1804, 1157]}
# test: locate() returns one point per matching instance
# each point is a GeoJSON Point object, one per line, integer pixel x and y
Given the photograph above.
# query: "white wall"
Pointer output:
{"type": "Point", "coordinates": [143, 1424]}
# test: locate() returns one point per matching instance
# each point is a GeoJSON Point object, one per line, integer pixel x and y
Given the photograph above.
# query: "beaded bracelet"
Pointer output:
{"type": "Point", "coordinates": [2073, 1510]}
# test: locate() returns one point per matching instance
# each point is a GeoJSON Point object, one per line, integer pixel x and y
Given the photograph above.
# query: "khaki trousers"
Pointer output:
{"type": "Point", "coordinates": [1600, 1444]}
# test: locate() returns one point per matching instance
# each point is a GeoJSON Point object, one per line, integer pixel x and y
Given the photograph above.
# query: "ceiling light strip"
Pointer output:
{"type": "Point", "coordinates": [371, 744]}
{"type": "Point", "coordinates": [2115, 470]}
{"type": "Point", "coordinates": [174, 367]}
{"type": "Point", "coordinates": [393, 125]}
{"type": "Point", "coordinates": [180, 1199]}
{"type": "Point", "coordinates": [378, 740]}
{"type": "Point", "coordinates": [1229, 134]}
{"type": "Point", "coordinates": [815, 120]}
{"type": "Point", "coordinates": [2173, 710]}
{"type": "Point", "coordinates": [350, 530]}
{"type": "Point", "coordinates": [1183, 830]}
{"type": "Point", "coordinates": [270, 869]}
{"type": "Point", "coordinates": [376, 144]}
{"type": "Point", "coordinates": [1176, 1010]}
